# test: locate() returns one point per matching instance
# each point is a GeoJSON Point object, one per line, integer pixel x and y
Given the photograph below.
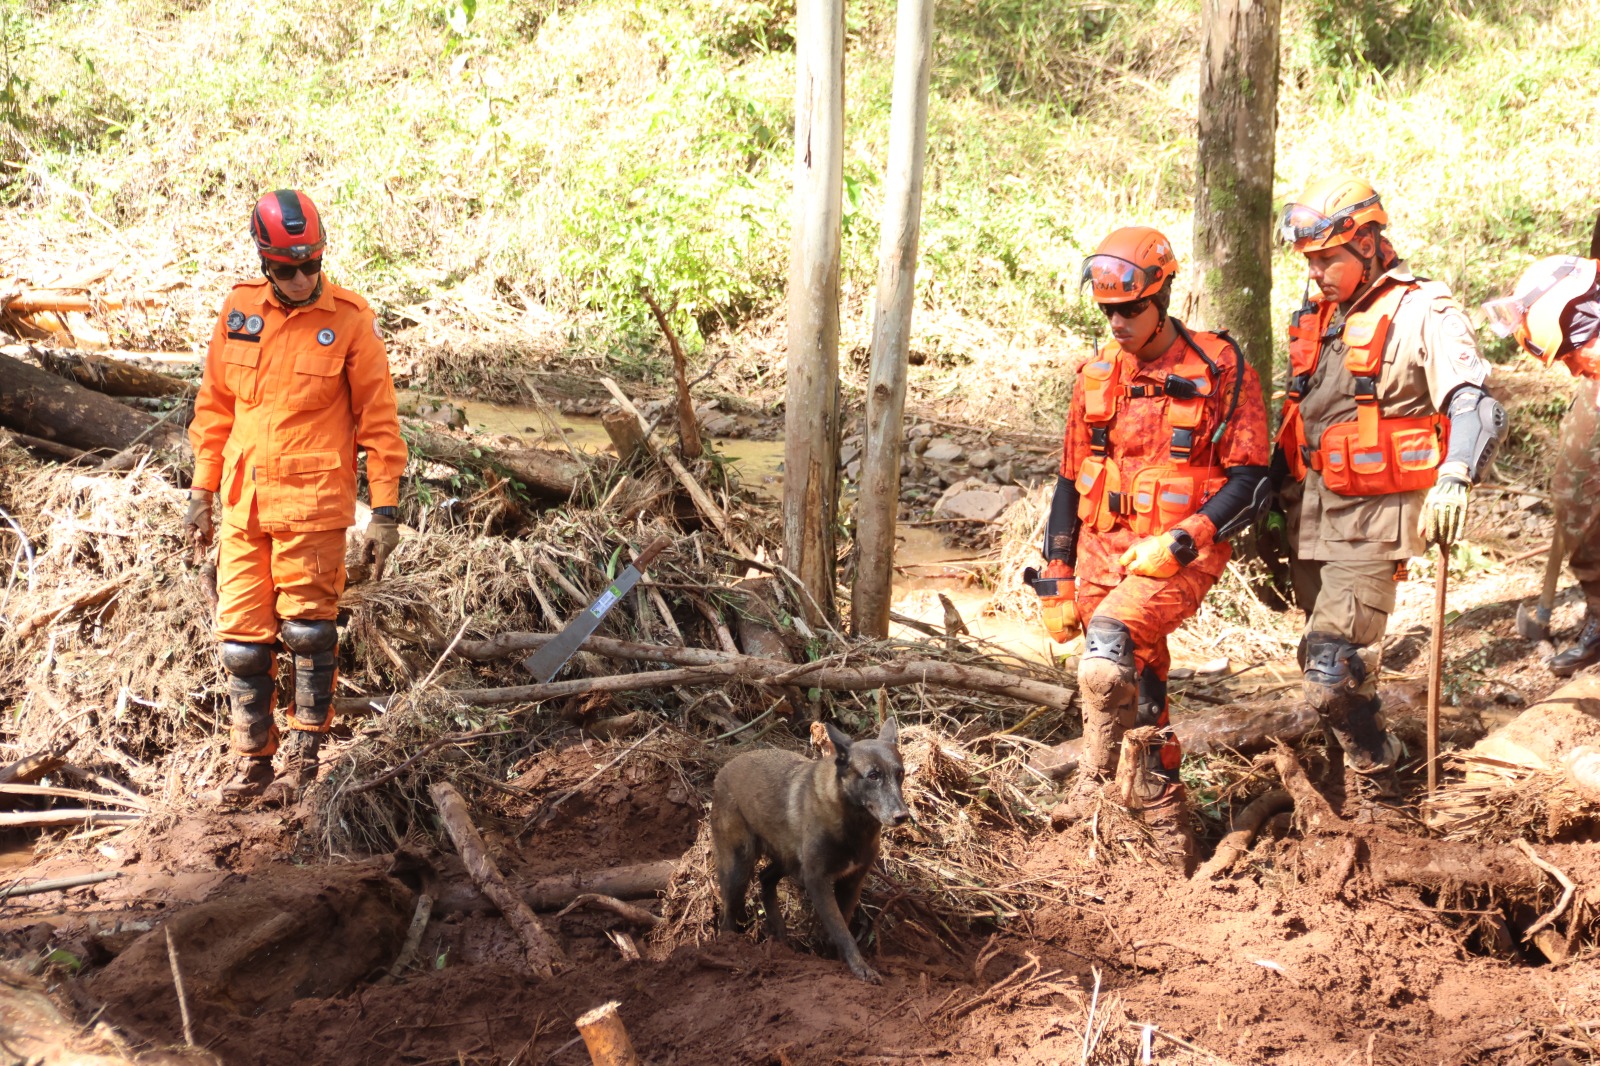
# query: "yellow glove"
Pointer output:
{"type": "Point", "coordinates": [1059, 613]}
{"type": "Point", "coordinates": [1444, 512]}
{"type": "Point", "coordinates": [1151, 557]}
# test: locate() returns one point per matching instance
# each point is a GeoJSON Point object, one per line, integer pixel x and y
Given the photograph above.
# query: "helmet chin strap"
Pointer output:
{"type": "Point", "coordinates": [316, 293]}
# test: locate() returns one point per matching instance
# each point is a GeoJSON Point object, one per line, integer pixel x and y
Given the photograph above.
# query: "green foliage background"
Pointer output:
{"type": "Point", "coordinates": [572, 150]}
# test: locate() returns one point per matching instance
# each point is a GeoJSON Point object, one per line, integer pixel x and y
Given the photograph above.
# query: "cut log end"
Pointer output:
{"type": "Point", "coordinates": [606, 1037]}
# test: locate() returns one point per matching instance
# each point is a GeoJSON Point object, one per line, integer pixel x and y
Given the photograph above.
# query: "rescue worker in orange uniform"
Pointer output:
{"type": "Point", "coordinates": [1165, 456]}
{"type": "Point", "coordinates": [1554, 313]}
{"type": "Point", "coordinates": [1386, 425]}
{"type": "Point", "coordinates": [296, 379]}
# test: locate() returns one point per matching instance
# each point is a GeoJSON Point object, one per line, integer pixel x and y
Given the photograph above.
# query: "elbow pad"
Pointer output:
{"type": "Point", "coordinates": [1061, 528]}
{"type": "Point", "coordinates": [1241, 499]}
{"type": "Point", "coordinates": [1477, 426]}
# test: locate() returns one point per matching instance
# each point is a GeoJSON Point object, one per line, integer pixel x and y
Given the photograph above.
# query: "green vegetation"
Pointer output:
{"type": "Point", "coordinates": [566, 152]}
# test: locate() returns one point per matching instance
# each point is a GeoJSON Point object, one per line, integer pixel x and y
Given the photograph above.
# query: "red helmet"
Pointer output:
{"type": "Point", "coordinates": [286, 227]}
{"type": "Point", "coordinates": [1131, 263]}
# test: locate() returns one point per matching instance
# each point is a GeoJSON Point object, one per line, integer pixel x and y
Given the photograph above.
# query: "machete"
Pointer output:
{"type": "Point", "coordinates": [548, 660]}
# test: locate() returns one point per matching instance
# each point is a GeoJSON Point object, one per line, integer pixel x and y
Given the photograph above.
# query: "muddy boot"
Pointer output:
{"type": "Point", "coordinates": [299, 769]}
{"type": "Point", "coordinates": [1106, 688]}
{"type": "Point", "coordinates": [251, 776]}
{"type": "Point", "coordinates": [1167, 817]}
{"type": "Point", "coordinates": [1586, 652]}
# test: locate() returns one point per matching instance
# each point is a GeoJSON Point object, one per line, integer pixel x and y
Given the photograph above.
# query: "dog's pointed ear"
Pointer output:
{"type": "Point", "coordinates": [840, 739]}
{"type": "Point", "coordinates": [890, 733]}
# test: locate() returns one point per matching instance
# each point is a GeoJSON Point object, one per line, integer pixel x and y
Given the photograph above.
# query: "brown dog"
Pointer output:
{"type": "Point", "coordinates": [814, 820]}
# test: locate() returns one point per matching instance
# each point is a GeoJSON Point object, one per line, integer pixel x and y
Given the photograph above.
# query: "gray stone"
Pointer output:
{"type": "Point", "coordinates": [919, 445]}
{"type": "Point", "coordinates": [722, 426]}
{"type": "Point", "coordinates": [972, 498]}
{"type": "Point", "coordinates": [852, 470]}
{"type": "Point", "coordinates": [444, 414]}
{"type": "Point", "coordinates": [944, 451]}
{"type": "Point", "coordinates": [922, 429]}
{"type": "Point", "coordinates": [1006, 472]}
{"type": "Point", "coordinates": [849, 453]}
{"type": "Point", "coordinates": [982, 459]}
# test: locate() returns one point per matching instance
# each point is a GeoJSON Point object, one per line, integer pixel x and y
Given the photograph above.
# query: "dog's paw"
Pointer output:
{"type": "Point", "coordinates": [865, 972]}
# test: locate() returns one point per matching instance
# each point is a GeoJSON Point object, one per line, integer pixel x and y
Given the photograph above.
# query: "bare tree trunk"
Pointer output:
{"type": "Point", "coordinates": [879, 503]}
{"type": "Point", "coordinates": [1233, 218]}
{"type": "Point", "coordinates": [42, 405]}
{"type": "Point", "coordinates": [811, 418]}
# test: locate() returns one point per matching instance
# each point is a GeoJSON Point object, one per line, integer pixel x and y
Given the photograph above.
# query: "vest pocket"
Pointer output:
{"type": "Point", "coordinates": [316, 381]}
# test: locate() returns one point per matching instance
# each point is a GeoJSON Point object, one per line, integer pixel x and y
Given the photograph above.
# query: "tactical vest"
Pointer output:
{"type": "Point", "coordinates": [1373, 455]}
{"type": "Point", "coordinates": [1162, 494]}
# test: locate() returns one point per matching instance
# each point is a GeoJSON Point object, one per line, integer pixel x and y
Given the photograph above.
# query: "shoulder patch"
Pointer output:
{"type": "Point", "coordinates": [235, 319]}
{"type": "Point", "coordinates": [325, 337]}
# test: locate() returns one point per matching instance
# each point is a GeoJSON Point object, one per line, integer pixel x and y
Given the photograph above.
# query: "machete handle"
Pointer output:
{"type": "Point", "coordinates": [655, 548]}
{"type": "Point", "coordinates": [1043, 587]}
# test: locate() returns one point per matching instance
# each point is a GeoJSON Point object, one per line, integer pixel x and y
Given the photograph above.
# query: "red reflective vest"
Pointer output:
{"type": "Point", "coordinates": [1372, 455]}
{"type": "Point", "coordinates": [1160, 495]}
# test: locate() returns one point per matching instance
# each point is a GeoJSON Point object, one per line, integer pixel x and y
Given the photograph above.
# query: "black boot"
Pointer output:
{"type": "Point", "coordinates": [1586, 652]}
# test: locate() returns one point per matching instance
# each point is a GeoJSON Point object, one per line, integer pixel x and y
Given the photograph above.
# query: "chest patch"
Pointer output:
{"type": "Point", "coordinates": [235, 320]}
{"type": "Point", "coordinates": [324, 337]}
{"type": "Point", "coordinates": [253, 324]}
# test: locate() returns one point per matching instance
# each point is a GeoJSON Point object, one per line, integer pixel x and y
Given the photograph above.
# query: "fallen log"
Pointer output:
{"type": "Point", "coordinates": [58, 884]}
{"type": "Point", "coordinates": [43, 405]}
{"type": "Point", "coordinates": [545, 473]}
{"type": "Point", "coordinates": [639, 881]}
{"type": "Point", "coordinates": [31, 768]}
{"type": "Point", "coordinates": [54, 301]}
{"type": "Point", "coordinates": [1243, 729]}
{"type": "Point", "coordinates": [62, 453]}
{"type": "Point", "coordinates": [543, 953]}
{"type": "Point", "coordinates": [68, 817]}
{"type": "Point", "coordinates": [705, 665]}
{"type": "Point", "coordinates": [114, 377]}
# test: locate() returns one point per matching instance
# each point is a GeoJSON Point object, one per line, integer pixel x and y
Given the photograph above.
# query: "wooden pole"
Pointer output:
{"type": "Point", "coordinates": [1441, 585]}
{"type": "Point", "coordinates": [1233, 217]}
{"type": "Point", "coordinates": [879, 503]}
{"type": "Point", "coordinates": [811, 415]}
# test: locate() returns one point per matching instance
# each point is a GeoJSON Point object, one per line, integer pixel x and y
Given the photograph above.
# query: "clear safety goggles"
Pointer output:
{"type": "Point", "coordinates": [1112, 276]}
{"type": "Point", "coordinates": [1508, 316]}
{"type": "Point", "coordinates": [1302, 223]}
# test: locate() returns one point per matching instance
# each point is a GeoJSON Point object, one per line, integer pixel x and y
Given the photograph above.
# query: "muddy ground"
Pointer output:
{"type": "Point", "coordinates": [1298, 956]}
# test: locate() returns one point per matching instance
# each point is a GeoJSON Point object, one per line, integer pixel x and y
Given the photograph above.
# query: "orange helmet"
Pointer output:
{"type": "Point", "coordinates": [1131, 263]}
{"type": "Point", "coordinates": [1330, 212]}
{"type": "Point", "coordinates": [1537, 310]}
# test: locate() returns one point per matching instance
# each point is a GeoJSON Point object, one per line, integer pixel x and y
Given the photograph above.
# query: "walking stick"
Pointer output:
{"type": "Point", "coordinates": [1436, 664]}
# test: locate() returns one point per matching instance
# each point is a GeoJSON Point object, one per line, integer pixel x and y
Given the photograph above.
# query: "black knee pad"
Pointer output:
{"type": "Point", "coordinates": [1330, 661]}
{"type": "Point", "coordinates": [246, 660]}
{"type": "Point", "coordinates": [305, 637]}
{"type": "Point", "coordinates": [1152, 697]}
{"type": "Point", "coordinates": [1107, 638]}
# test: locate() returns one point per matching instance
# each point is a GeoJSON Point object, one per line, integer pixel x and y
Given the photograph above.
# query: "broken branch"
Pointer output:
{"type": "Point", "coordinates": [1567, 889]}
{"type": "Point", "coordinates": [544, 954]}
{"type": "Point", "coordinates": [626, 911]}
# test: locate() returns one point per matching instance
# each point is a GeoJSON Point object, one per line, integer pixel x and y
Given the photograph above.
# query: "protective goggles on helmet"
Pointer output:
{"type": "Point", "coordinates": [1301, 223]}
{"type": "Point", "coordinates": [1508, 316]}
{"type": "Point", "coordinates": [1115, 280]}
{"type": "Point", "coordinates": [294, 252]}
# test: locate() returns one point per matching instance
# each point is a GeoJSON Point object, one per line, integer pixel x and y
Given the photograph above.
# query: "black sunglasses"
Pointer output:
{"type": "Point", "coordinates": [286, 271]}
{"type": "Point", "coordinates": [1131, 309]}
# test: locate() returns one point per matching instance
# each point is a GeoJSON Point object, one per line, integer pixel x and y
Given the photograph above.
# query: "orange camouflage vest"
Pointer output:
{"type": "Point", "coordinates": [1160, 495]}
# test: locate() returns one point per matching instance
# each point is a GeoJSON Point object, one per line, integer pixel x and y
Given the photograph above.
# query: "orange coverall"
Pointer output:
{"type": "Point", "coordinates": [1140, 435]}
{"type": "Point", "coordinates": [288, 396]}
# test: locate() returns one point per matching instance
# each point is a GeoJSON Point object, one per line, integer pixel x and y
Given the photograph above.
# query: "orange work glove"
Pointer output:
{"type": "Point", "coordinates": [1059, 613]}
{"type": "Point", "coordinates": [1151, 557]}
